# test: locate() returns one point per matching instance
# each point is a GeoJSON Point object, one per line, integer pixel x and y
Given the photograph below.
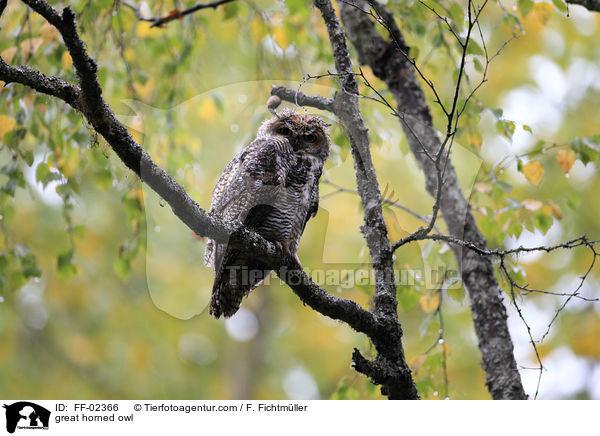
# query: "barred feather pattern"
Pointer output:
{"type": "Point", "coordinates": [272, 188]}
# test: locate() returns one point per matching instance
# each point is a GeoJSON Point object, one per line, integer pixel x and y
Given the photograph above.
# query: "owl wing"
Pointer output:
{"type": "Point", "coordinates": [251, 178]}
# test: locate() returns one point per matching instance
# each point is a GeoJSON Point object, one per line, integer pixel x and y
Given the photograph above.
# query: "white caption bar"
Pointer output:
{"type": "Point", "coordinates": [41, 417]}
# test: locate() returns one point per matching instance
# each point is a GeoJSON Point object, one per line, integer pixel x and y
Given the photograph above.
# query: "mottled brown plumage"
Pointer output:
{"type": "Point", "coordinates": [271, 187]}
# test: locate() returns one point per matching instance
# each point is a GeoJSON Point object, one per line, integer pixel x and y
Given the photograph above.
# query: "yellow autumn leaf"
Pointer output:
{"type": "Point", "coordinates": [30, 46]}
{"type": "Point", "coordinates": [6, 125]}
{"type": "Point", "coordinates": [539, 15]}
{"type": "Point", "coordinates": [534, 172]}
{"type": "Point", "coordinates": [476, 139]}
{"type": "Point", "coordinates": [446, 348]}
{"type": "Point", "coordinates": [257, 28]}
{"type": "Point", "coordinates": [81, 350]}
{"type": "Point", "coordinates": [136, 129]}
{"type": "Point", "coordinates": [144, 90]}
{"type": "Point", "coordinates": [208, 110]}
{"type": "Point", "coordinates": [417, 362]}
{"type": "Point", "coordinates": [139, 195]}
{"type": "Point", "coordinates": [531, 204]}
{"type": "Point", "coordinates": [556, 210]}
{"type": "Point", "coordinates": [129, 54]}
{"type": "Point", "coordinates": [195, 145]}
{"type": "Point", "coordinates": [143, 30]}
{"type": "Point", "coordinates": [8, 54]}
{"type": "Point", "coordinates": [280, 37]}
{"type": "Point", "coordinates": [395, 230]}
{"type": "Point", "coordinates": [566, 159]}
{"type": "Point", "coordinates": [48, 32]}
{"type": "Point", "coordinates": [482, 187]}
{"type": "Point", "coordinates": [429, 303]}
{"type": "Point", "coordinates": [66, 60]}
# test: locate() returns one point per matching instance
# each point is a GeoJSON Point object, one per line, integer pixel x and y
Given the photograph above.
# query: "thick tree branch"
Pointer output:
{"type": "Point", "coordinates": [591, 5]}
{"type": "Point", "coordinates": [45, 84]}
{"type": "Point", "coordinates": [489, 314]}
{"type": "Point", "coordinates": [302, 99]}
{"type": "Point", "coordinates": [3, 4]}
{"type": "Point", "coordinates": [398, 382]}
{"type": "Point", "coordinates": [87, 98]}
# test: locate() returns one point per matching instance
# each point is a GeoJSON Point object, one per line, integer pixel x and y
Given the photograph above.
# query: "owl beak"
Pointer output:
{"type": "Point", "coordinates": [294, 142]}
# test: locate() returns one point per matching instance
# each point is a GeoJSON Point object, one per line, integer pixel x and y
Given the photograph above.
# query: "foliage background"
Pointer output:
{"type": "Point", "coordinates": [104, 292]}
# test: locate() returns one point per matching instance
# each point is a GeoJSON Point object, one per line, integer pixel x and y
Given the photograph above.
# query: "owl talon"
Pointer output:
{"type": "Point", "coordinates": [298, 260]}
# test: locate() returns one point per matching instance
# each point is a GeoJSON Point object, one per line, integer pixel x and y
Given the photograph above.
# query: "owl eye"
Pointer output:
{"type": "Point", "coordinates": [284, 131]}
{"type": "Point", "coordinates": [311, 138]}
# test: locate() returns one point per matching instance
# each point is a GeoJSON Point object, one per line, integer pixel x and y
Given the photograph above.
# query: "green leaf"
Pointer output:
{"type": "Point", "coordinates": [515, 229]}
{"type": "Point", "coordinates": [537, 149]}
{"type": "Point", "coordinates": [488, 226]}
{"type": "Point", "coordinates": [527, 128]}
{"type": "Point", "coordinates": [457, 14]}
{"type": "Point", "coordinates": [474, 49]}
{"type": "Point", "coordinates": [218, 99]}
{"type": "Point", "coordinates": [122, 267]}
{"type": "Point", "coordinates": [65, 268]}
{"type": "Point", "coordinates": [408, 297]}
{"type": "Point", "coordinates": [29, 266]}
{"type": "Point", "coordinates": [420, 29]}
{"type": "Point", "coordinates": [543, 222]}
{"type": "Point", "coordinates": [560, 5]}
{"type": "Point", "coordinates": [497, 113]}
{"type": "Point", "coordinates": [78, 232]}
{"type": "Point", "coordinates": [17, 280]}
{"type": "Point", "coordinates": [343, 391]}
{"type": "Point", "coordinates": [505, 128]}
{"type": "Point", "coordinates": [28, 157]}
{"type": "Point", "coordinates": [505, 186]}
{"type": "Point", "coordinates": [586, 150]}
{"type": "Point", "coordinates": [457, 295]}
{"type": "Point", "coordinates": [230, 10]}
{"type": "Point", "coordinates": [424, 386]}
{"type": "Point", "coordinates": [413, 52]}
{"type": "Point", "coordinates": [41, 172]}
{"type": "Point", "coordinates": [103, 178]}
{"type": "Point", "coordinates": [525, 6]}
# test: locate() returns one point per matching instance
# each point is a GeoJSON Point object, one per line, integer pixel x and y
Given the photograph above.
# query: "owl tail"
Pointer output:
{"type": "Point", "coordinates": [236, 275]}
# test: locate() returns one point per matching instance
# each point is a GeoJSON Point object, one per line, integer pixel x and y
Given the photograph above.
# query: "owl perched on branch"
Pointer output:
{"type": "Point", "coordinates": [272, 188]}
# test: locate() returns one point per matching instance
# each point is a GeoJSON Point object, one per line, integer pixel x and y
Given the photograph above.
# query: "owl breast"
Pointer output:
{"type": "Point", "coordinates": [287, 212]}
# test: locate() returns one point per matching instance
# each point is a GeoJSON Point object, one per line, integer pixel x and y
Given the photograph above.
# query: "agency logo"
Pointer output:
{"type": "Point", "coordinates": [26, 415]}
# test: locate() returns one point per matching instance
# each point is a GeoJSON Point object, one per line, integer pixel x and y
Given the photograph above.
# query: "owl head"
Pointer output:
{"type": "Point", "coordinates": [305, 133]}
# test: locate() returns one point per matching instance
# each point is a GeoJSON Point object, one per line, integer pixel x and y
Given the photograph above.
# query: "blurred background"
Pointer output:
{"type": "Point", "coordinates": [104, 292]}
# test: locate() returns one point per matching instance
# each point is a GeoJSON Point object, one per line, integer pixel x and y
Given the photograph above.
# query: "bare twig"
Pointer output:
{"type": "Point", "coordinates": [175, 14]}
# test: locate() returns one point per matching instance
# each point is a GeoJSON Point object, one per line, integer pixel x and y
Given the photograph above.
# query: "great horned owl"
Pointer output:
{"type": "Point", "coordinates": [271, 187]}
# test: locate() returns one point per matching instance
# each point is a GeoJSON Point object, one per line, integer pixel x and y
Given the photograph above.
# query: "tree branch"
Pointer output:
{"type": "Point", "coordinates": [398, 382]}
{"type": "Point", "coordinates": [175, 14]}
{"type": "Point", "coordinates": [302, 99]}
{"type": "Point", "coordinates": [591, 5]}
{"type": "Point", "coordinates": [489, 314]}
{"type": "Point", "coordinates": [87, 99]}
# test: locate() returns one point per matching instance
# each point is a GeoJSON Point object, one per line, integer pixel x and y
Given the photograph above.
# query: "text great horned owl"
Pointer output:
{"type": "Point", "coordinates": [272, 187]}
